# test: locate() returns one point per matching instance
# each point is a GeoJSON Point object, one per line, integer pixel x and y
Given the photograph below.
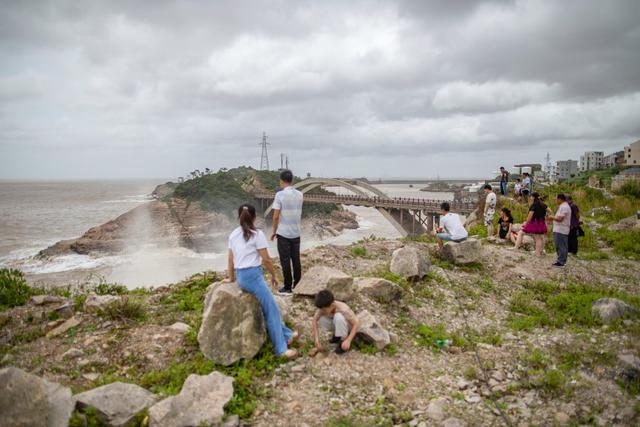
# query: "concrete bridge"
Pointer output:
{"type": "Point", "coordinates": [410, 216]}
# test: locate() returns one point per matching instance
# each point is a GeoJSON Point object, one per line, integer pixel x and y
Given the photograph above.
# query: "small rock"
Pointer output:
{"type": "Point", "coordinates": [410, 263]}
{"type": "Point", "coordinates": [46, 299]}
{"type": "Point", "coordinates": [97, 302]}
{"type": "Point", "coordinates": [65, 310]}
{"type": "Point", "coordinates": [378, 289]}
{"type": "Point", "coordinates": [562, 418]}
{"type": "Point", "coordinates": [473, 398]}
{"type": "Point", "coordinates": [116, 403]}
{"type": "Point", "coordinates": [180, 327]}
{"type": "Point", "coordinates": [453, 422]}
{"type": "Point", "coordinates": [371, 331]}
{"type": "Point", "coordinates": [68, 324]}
{"type": "Point", "coordinates": [320, 278]}
{"type": "Point", "coordinates": [73, 353]}
{"type": "Point", "coordinates": [463, 384]}
{"type": "Point", "coordinates": [201, 401]}
{"type": "Point", "coordinates": [466, 252]}
{"type": "Point", "coordinates": [435, 410]}
{"type": "Point", "coordinates": [610, 309]}
{"type": "Point", "coordinates": [92, 376]}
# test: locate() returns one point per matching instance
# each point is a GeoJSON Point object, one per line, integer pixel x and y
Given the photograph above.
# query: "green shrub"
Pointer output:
{"type": "Point", "coordinates": [104, 288]}
{"type": "Point", "coordinates": [358, 251]}
{"type": "Point", "coordinates": [629, 188]}
{"type": "Point", "coordinates": [14, 290]}
{"type": "Point", "coordinates": [625, 243]}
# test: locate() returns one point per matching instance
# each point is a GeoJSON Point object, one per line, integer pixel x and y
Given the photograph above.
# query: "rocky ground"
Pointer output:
{"type": "Point", "coordinates": [525, 347]}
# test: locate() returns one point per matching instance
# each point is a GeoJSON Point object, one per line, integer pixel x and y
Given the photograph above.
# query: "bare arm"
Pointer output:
{"type": "Point", "coordinates": [268, 265]}
{"type": "Point", "coordinates": [530, 216]}
{"type": "Point", "coordinates": [275, 222]}
{"type": "Point", "coordinates": [231, 273]}
{"type": "Point", "coordinates": [316, 332]}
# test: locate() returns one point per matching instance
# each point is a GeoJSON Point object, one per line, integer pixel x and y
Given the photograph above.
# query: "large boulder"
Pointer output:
{"type": "Point", "coordinates": [232, 324]}
{"type": "Point", "coordinates": [466, 252]}
{"type": "Point", "coordinates": [371, 332]}
{"type": "Point", "coordinates": [410, 263]}
{"type": "Point", "coordinates": [378, 289]}
{"type": "Point", "coordinates": [319, 278]}
{"type": "Point", "coordinates": [96, 302]}
{"type": "Point", "coordinates": [610, 309]}
{"type": "Point", "coordinates": [200, 402]}
{"type": "Point", "coordinates": [116, 403]}
{"type": "Point", "coordinates": [29, 401]}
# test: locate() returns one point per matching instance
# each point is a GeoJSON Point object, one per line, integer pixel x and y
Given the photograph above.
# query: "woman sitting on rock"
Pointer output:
{"type": "Point", "coordinates": [535, 225]}
{"type": "Point", "coordinates": [247, 254]}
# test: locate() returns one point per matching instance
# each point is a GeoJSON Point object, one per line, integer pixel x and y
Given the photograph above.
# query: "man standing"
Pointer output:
{"type": "Point", "coordinates": [561, 227]}
{"type": "Point", "coordinates": [575, 224]}
{"type": "Point", "coordinates": [287, 213]}
{"type": "Point", "coordinates": [504, 180]}
{"type": "Point", "coordinates": [489, 208]}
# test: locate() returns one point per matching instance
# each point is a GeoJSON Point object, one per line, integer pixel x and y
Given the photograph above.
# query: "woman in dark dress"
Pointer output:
{"type": "Point", "coordinates": [535, 224]}
{"type": "Point", "coordinates": [504, 224]}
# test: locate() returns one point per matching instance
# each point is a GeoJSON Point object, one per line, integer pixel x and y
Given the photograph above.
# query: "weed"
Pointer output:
{"type": "Point", "coordinates": [104, 288]}
{"type": "Point", "coordinates": [470, 373]}
{"type": "Point", "coordinates": [625, 243]}
{"type": "Point", "coordinates": [391, 350]}
{"type": "Point", "coordinates": [53, 315]}
{"type": "Point", "coordinates": [358, 252]}
{"type": "Point", "coordinates": [13, 288]}
{"type": "Point", "coordinates": [190, 296]}
{"type": "Point", "coordinates": [392, 277]}
{"type": "Point", "coordinates": [124, 309]}
{"type": "Point", "coordinates": [364, 347]}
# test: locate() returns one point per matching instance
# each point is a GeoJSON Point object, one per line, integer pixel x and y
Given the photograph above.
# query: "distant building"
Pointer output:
{"type": "Point", "coordinates": [591, 160]}
{"type": "Point", "coordinates": [553, 174]}
{"type": "Point", "coordinates": [630, 174]}
{"type": "Point", "coordinates": [632, 154]}
{"type": "Point", "coordinates": [565, 169]}
{"type": "Point", "coordinates": [612, 160]}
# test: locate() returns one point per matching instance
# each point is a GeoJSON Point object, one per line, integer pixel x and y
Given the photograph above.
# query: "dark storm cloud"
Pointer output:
{"type": "Point", "coordinates": [369, 87]}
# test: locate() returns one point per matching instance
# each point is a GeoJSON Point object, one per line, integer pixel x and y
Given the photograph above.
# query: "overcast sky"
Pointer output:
{"type": "Point", "coordinates": [118, 89]}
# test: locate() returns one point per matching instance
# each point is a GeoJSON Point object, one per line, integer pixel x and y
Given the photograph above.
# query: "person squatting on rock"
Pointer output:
{"type": "Point", "coordinates": [337, 317]}
{"type": "Point", "coordinates": [450, 227]}
{"type": "Point", "coordinates": [489, 208]}
{"type": "Point", "coordinates": [287, 214]}
{"type": "Point", "coordinates": [247, 254]}
{"type": "Point", "coordinates": [561, 228]}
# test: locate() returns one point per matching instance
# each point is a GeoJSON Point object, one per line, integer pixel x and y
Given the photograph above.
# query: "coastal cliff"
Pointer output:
{"type": "Point", "coordinates": [195, 214]}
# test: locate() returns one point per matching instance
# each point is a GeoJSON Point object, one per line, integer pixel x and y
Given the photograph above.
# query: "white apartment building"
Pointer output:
{"type": "Point", "coordinates": [591, 160]}
{"type": "Point", "coordinates": [565, 169]}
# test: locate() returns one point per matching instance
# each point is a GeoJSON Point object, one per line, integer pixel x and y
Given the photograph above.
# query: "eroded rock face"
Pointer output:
{"type": "Point", "coordinates": [200, 402]}
{"type": "Point", "coordinates": [320, 278]}
{"type": "Point", "coordinates": [116, 403]}
{"type": "Point", "coordinates": [610, 309]}
{"type": "Point", "coordinates": [378, 289]}
{"type": "Point", "coordinates": [410, 263]}
{"type": "Point", "coordinates": [371, 331]}
{"type": "Point", "coordinates": [232, 324]}
{"type": "Point", "coordinates": [466, 252]}
{"type": "Point", "coordinates": [29, 401]}
{"type": "Point", "coordinates": [96, 302]}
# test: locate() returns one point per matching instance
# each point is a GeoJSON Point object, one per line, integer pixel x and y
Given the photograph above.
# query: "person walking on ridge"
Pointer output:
{"type": "Point", "coordinates": [287, 216]}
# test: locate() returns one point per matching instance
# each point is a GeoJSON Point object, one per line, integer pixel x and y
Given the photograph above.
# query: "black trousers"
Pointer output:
{"type": "Point", "coordinates": [573, 241]}
{"type": "Point", "coordinates": [289, 252]}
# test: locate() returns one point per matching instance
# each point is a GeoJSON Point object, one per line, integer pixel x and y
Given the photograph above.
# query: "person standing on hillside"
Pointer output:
{"type": "Point", "coordinates": [561, 227]}
{"type": "Point", "coordinates": [504, 180]}
{"type": "Point", "coordinates": [526, 186]}
{"type": "Point", "coordinates": [489, 208]}
{"type": "Point", "coordinates": [575, 225]}
{"type": "Point", "coordinates": [287, 216]}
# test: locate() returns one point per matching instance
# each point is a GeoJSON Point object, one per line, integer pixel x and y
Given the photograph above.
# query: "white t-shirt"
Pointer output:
{"type": "Point", "coordinates": [491, 201]}
{"type": "Point", "coordinates": [289, 203]}
{"type": "Point", "coordinates": [245, 253]}
{"type": "Point", "coordinates": [452, 224]}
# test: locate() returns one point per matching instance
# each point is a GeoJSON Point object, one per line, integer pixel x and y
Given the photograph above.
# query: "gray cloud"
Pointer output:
{"type": "Point", "coordinates": [409, 88]}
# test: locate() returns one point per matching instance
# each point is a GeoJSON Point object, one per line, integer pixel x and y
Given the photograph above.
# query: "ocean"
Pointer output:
{"type": "Point", "coordinates": [35, 215]}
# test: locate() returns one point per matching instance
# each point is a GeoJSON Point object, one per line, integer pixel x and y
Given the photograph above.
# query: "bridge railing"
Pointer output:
{"type": "Point", "coordinates": [381, 202]}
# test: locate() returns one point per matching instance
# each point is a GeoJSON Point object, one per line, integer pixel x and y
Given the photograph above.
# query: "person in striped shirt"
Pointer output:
{"type": "Point", "coordinates": [287, 214]}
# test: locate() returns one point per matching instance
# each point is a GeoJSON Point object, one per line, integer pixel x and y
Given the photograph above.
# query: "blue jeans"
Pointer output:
{"type": "Point", "coordinates": [446, 237]}
{"type": "Point", "coordinates": [562, 247]}
{"type": "Point", "coordinates": [252, 281]}
{"type": "Point", "coordinates": [503, 188]}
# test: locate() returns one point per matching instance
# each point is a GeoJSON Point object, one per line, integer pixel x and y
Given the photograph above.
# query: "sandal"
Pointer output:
{"type": "Point", "coordinates": [290, 354]}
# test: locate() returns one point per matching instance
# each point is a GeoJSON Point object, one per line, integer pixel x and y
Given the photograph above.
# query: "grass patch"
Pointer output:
{"type": "Point", "coordinates": [545, 304]}
{"type": "Point", "coordinates": [392, 277]}
{"type": "Point", "coordinates": [125, 309]}
{"type": "Point", "coordinates": [190, 296]}
{"type": "Point", "coordinates": [359, 252]}
{"type": "Point", "coordinates": [625, 243]}
{"type": "Point", "coordinates": [429, 336]}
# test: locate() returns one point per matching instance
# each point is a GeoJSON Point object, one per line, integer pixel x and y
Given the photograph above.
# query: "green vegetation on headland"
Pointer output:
{"type": "Point", "coordinates": [225, 190]}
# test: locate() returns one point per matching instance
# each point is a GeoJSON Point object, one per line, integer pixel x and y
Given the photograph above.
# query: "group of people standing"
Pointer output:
{"type": "Point", "coordinates": [248, 255]}
{"type": "Point", "coordinates": [522, 187]}
{"type": "Point", "coordinates": [565, 223]}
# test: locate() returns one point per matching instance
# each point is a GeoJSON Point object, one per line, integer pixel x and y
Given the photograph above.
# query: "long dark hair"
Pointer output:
{"type": "Point", "coordinates": [507, 212]}
{"type": "Point", "coordinates": [247, 215]}
{"type": "Point", "coordinates": [537, 200]}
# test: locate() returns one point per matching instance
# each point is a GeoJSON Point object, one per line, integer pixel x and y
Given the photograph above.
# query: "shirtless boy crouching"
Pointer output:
{"type": "Point", "coordinates": [337, 317]}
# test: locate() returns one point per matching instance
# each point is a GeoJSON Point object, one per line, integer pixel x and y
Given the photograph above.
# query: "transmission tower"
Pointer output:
{"type": "Point", "coordinates": [548, 162]}
{"type": "Point", "coordinates": [264, 159]}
